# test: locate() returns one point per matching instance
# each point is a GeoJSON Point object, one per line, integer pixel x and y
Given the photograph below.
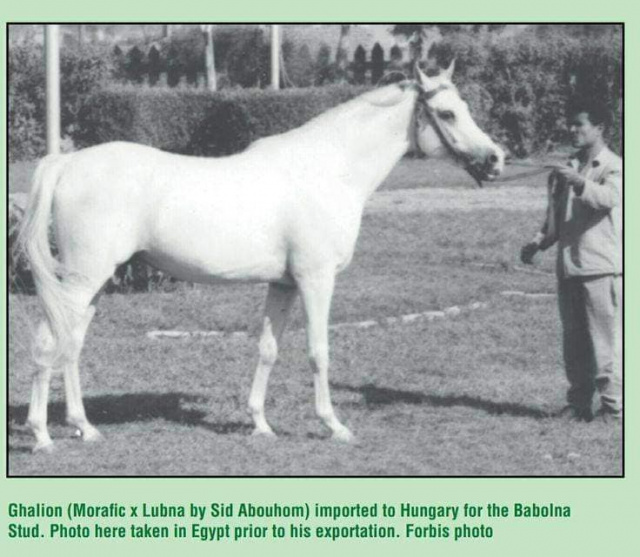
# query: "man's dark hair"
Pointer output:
{"type": "Point", "coordinates": [598, 111]}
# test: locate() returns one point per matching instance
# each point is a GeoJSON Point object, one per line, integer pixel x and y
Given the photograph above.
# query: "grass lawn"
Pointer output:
{"type": "Point", "coordinates": [467, 395]}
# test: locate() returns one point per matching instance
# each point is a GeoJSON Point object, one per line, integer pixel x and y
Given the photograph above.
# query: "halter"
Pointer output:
{"type": "Point", "coordinates": [460, 157]}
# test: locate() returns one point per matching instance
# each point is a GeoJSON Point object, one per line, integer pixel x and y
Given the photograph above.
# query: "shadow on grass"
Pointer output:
{"type": "Point", "coordinates": [380, 396]}
{"type": "Point", "coordinates": [132, 408]}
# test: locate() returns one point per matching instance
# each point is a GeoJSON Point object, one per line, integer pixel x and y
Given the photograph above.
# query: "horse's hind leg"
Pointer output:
{"type": "Point", "coordinates": [83, 292]}
{"type": "Point", "coordinates": [280, 299]}
{"type": "Point", "coordinates": [37, 417]}
{"type": "Point", "coordinates": [76, 415]}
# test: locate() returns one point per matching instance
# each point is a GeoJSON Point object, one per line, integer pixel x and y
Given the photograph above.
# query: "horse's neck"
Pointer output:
{"type": "Point", "coordinates": [373, 137]}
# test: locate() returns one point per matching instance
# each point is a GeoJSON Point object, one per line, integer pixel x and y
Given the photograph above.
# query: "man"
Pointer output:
{"type": "Point", "coordinates": [584, 217]}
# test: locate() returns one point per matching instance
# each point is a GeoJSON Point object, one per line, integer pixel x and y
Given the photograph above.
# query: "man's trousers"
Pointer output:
{"type": "Point", "coordinates": [591, 315]}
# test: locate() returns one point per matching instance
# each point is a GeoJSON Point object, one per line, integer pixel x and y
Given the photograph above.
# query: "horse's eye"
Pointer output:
{"type": "Point", "coordinates": [446, 115]}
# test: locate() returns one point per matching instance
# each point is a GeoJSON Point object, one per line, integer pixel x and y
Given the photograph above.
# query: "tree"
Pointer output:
{"type": "Point", "coordinates": [324, 69]}
{"type": "Point", "coordinates": [248, 60]}
{"type": "Point", "coordinates": [377, 63]}
{"type": "Point", "coordinates": [155, 65]}
{"type": "Point", "coordinates": [298, 65]}
{"type": "Point", "coordinates": [183, 55]}
{"type": "Point", "coordinates": [421, 38]}
{"type": "Point", "coordinates": [134, 65]}
{"type": "Point", "coordinates": [395, 56]}
{"type": "Point", "coordinates": [174, 72]}
{"type": "Point", "coordinates": [360, 65]}
{"type": "Point", "coordinates": [341, 53]}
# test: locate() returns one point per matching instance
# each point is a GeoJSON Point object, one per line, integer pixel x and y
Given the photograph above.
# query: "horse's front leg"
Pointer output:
{"type": "Point", "coordinates": [280, 299]}
{"type": "Point", "coordinates": [317, 292]}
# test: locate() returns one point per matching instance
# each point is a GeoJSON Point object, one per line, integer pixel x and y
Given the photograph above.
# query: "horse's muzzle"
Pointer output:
{"type": "Point", "coordinates": [487, 168]}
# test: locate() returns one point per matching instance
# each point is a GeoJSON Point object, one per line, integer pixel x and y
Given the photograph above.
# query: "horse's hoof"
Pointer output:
{"type": "Point", "coordinates": [261, 432]}
{"type": "Point", "coordinates": [91, 435]}
{"type": "Point", "coordinates": [343, 435]}
{"type": "Point", "coordinates": [43, 447]}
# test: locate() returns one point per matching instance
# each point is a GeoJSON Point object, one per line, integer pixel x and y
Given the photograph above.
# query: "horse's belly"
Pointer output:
{"type": "Point", "coordinates": [202, 237]}
{"type": "Point", "coordinates": [198, 271]}
{"type": "Point", "coordinates": [212, 257]}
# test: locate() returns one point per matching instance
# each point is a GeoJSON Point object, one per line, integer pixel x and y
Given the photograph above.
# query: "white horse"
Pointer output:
{"type": "Point", "coordinates": [286, 211]}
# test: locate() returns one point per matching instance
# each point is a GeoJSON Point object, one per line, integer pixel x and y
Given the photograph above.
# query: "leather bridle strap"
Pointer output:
{"type": "Point", "coordinates": [423, 101]}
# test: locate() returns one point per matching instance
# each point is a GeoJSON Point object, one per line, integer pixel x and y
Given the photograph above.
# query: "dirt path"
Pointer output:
{"type": "Point", "coordinates": [514, 198]}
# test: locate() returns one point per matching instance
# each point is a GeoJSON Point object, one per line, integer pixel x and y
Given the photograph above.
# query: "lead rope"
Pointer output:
{"type": "Point", "coordinates": [536, 169]}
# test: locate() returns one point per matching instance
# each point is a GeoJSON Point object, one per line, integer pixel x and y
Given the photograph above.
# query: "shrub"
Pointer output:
{"type": "Point", "coordinates": [19, 275]}
{"type": "Point", "coordinates": [199, 122]}
{"type": "Point", "coordinates": [81, 73]}
{"type": "Point", "coordinates": [298, 65]}
{"type": "Point", "coordinates": [151, 116]}
{"type": "Point", "coordinates": [26, 103]}
{"type": "Point", "coordinates": [529, 78]}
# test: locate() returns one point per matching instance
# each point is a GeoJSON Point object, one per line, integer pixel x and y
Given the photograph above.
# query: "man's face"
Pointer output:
{"type": "Point", "coordinates": [583, 132]}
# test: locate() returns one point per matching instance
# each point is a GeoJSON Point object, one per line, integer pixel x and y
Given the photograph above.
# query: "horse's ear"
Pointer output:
{"type": "Point", "coordinates": [448, 73]}
{"type": "Point", "coordinates": [427, 83]}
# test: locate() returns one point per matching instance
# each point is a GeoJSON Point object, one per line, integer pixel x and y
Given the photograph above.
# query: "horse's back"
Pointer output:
{"type": "Point", "coordinates": [104, 169]}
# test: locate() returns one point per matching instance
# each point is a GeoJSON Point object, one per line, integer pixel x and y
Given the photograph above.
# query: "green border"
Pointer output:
{"type": "Point", "coordinates": [604, 510]}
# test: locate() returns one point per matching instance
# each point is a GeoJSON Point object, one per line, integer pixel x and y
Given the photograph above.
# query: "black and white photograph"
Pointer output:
{"type": "Point", "coordinates": [315, 249]}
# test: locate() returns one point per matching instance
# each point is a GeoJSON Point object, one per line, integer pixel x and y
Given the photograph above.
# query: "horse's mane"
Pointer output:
{"type": "Point", "coordinates": [381, 97]}
{"type": "Point", "coordinates": [387, 96]}
{"type": "Point", "coordinates": [361, 106]}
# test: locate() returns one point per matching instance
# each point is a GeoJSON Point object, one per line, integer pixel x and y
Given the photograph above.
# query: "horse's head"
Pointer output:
{"type": "Point", "coordinates": [445, 128]}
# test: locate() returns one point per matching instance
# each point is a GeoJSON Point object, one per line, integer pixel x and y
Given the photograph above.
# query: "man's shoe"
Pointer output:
{"type": "Point", "coordinates": [576, 414]}
{"type": "Point", "coordinates": [609, 416]}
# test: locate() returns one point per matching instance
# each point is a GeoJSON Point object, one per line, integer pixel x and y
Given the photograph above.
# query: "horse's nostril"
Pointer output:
{"type": "Point", "coordinates": [493, 158]}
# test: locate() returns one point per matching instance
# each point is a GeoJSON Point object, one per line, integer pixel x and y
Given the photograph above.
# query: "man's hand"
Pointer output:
{"type": "Point", "coordinates": [570, 177]}
{"type": "Point", "coordinates": [528, 251]}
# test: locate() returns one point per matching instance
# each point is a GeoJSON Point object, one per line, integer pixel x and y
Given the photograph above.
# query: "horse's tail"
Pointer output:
{"type": "Point", "coordinates": [33, 239]}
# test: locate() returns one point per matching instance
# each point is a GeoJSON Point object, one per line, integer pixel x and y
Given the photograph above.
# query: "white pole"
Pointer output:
{"type": "Point", "coordinates": [275, 57]}
{"type": "Point", "coordinates": [209, 57]}
{"type": "Point", "coordinates": [52, 57]}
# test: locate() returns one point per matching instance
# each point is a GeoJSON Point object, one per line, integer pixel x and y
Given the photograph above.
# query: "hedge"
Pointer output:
{"type": "Point", "coordinates": [197, 122]}
{"type": "Point", "coordinates": [517, 90]}
{"type": "Point", "coordinates": [516, 86]}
